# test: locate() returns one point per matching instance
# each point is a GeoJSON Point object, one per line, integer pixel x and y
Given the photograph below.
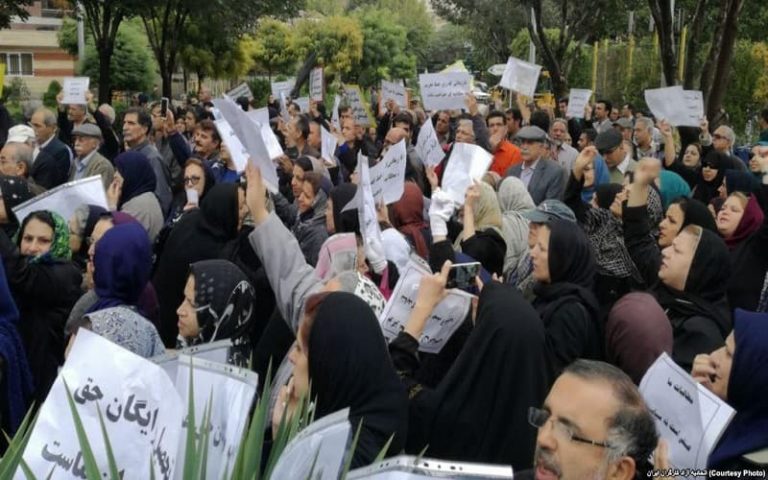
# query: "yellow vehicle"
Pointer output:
{"type": "Point", "coordinates": [544, 97]}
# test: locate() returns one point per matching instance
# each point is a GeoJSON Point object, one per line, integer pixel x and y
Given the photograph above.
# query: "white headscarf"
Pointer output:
{"type": "Point", "coordinates": [514, 200]}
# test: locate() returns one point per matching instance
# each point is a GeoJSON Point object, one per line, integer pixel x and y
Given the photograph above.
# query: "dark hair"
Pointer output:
{"type": "Point", "coordinates": [311, 306]}
{"type": "Point", "coordinates": [40, 215]}
{"type": "Point", "coordinates": [764, 114]}
{"type": "Point", "coordinates": [315, 179]}
{"type": "Point", "coordinates": [631, 430]}
{"type": "Point", "coordinates": [344, 108]}
{"type": "Point", "coordinates": [403, 117]}
{"type": "Point", "coordinates": [563, 100]}
{"type": "Point", "coordinates": [243, 102]}
{"type": "Point", "coordinates": [515, 113]}
{"type": "Point", "coordinates": [591, 134]}
{"type": "Point", "coordinates": [607, 103]}
{"type": "Point", "coordinates": [540, 119]}
{"type": "Point", "coordinates": [142, 116]}
{"type": "Point", "coordinates": [304, 162]}
{"type": "Point", "coordinates": [302, 125]}
{"type": "Point", "coordinates": [630, 107]}
{"type": "Point", "coordinates": [497, 114]}
{"type": "Point", "coordinates": [209, 126]}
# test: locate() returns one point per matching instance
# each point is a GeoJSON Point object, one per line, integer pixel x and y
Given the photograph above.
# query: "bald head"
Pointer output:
{"type": "Point", "coordinates": [44, 124]}
{"type": "Point", "coordinates": [16, 159]}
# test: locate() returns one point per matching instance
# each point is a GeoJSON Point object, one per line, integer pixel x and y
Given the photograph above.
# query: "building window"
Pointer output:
{"type": "Point", "coordinates": [19, 64]}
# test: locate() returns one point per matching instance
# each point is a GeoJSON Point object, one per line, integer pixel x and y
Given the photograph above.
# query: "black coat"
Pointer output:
{"type": "Point", "coordinates": [52, 165]}
{"type": "Point", "coordinates": [44, 293]}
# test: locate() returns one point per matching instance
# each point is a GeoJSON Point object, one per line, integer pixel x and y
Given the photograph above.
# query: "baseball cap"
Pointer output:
{"type": "Point", "coordinates": [550, 210]}
{"type": "Point", "coordinates": [20, 134]}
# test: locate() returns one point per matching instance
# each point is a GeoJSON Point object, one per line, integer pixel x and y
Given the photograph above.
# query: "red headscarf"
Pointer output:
{"type": "Point", "coordinates": [750, 222]}
{"type": "Point", "coordinates": [408, 216]}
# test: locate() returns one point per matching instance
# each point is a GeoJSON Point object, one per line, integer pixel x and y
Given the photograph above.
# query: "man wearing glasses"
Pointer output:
{"type": "Point", "coordinates": [722, 140]}
{"type": "Point", "coordinates": [593, 424]}
{"type": "Point", "coordinates": [610, 144]}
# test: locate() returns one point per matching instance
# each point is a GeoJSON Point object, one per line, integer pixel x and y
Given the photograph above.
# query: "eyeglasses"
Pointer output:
{"type": "Point", "coordinates": [538, 418]}
{"type": "Point", "coordinates": [191, 180]}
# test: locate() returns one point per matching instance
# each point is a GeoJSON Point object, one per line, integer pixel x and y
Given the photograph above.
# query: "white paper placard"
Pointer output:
{"type": "Point", "coordinates": [328, 146]}
{"type": "Point", "coordinates": [231, 391]}
{"type": "Point", "coordinates": [520, 76]}
{"type": "Point", "coordinates": [444, 91]}
{"type": "Point", "coordinates": [303, 103]}
{"type": "Point", "coordinates": [428, 146]}
{"type": "Point", "coordinates": [282, 87]}
{"type": "Point", "coordinates": [445, 319]}
{"type": "Point", "coordinates": [467, 162]}
{"type": "Point", "coordinates": [260, 115]}
{"type": "Point", "coordinates": [142, 414]}
{"type": "Point", "coordinates": [335, 114]}
{"type": "Point", "coordinates": [687, 415]}
{"type": "Point", "coordinates": [578, 98]}
{"type": "Point", "coordinates": [74, 90]}
{"type": "Point", "coordinates": [236, 149]}
{"type": "Point", "coordinates": [355, 100]}
{"type": "Point", "coordinates": [284, 107]}
{"type": "Point", "coordinates": [394, 91]}
{"type": "Point", "coordinates": [388, 176]}
{"type": "Point", "coordinates": [65, 198]}
{"type": "Point", "coordinates": [316, 84]}
{"type": "Point", "coordinates": [679, 107]}
{"type": "Point", "coordinates": [242, 90]}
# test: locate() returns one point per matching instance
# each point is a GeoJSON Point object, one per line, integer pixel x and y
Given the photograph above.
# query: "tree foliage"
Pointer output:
{"type": "Point", "coordinates": [210, 52]}
{"type": "Point", "coordinates": [270, 49]}
{"type": "Point", "coordinates": [13, 8]}
{"type": "Point", "coordinates": [385, 49]}
{"type": "Point", "coordinates": [337, 41]}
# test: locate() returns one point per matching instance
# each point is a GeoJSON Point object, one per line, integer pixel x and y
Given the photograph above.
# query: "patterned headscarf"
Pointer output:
{"type": "Point", "coordinates": [60, 250]}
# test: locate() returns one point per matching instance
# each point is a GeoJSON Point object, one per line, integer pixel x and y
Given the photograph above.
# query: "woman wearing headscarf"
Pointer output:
{"type": "Point", "coordinates": [197, 177]}
{"type": "Point", "coordinates": [595, 174]}
{"type": "Point", "coordinates": [481, 236]}
{"type": "Point", "coordinates": [17, 380]}
{"type": "Point", "coordinates": [738, 181]}
{"type": "Point", "coordinates": [338, 221]}
{"type": "Point", "coordinates": [309, 226]}
{"type": "Point", "coordinates": [636, 333]}
{"type": "Point", "coordinates": [200, 235]}
{"type": "Point", "coordinates": [470, 415]}
{"type": "Point", "coordinates": [672, 186]}
{"type": "Point", "coordinates": [218, 304]}
{"type": "Point", "coordinates": [133, 191]}
{"type": "Point", "coordinates": [341, 351]}
{"type": "Point", "coordinates": [408, 218]}
{"type": "Point", "coordinates": [286, 202]}
{"type": "Point", "coordinates": [736, 373]}
{"type": "Point", "coordinates": [564, 269]}
{"type": "Point", "coordinates": [514, 201]}
{"type": "Point", "coordinates": [13, 192]}
{"type": "Point", "coordinates": [80, 229]}
{"type": "Point", "coordinates": [713, 168]}
{"type": "Point", "coordinates": [45, 284]}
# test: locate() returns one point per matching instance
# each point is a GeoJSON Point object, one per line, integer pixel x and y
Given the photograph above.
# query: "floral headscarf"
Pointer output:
{"type": "Point", "coordinates": [60, 250]}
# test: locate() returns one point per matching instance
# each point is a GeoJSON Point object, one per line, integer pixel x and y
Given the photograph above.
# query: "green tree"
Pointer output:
{"type": "Point", "coordinates": [448, 44]}
{"type": "Point", "coordinates": [210, 52]}
{"type": "Point", "coordinates": [13, 8]}
{"type": "Point", "coordinates": [270, 48]}
{"type": "Point", "coordinates": [385, 49]}
{"type": "Point", "coordinates": [336, 41]}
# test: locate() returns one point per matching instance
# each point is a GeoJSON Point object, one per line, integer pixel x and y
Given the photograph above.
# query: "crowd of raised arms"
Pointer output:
{"type": "Point", "coordinates": [603, 242]}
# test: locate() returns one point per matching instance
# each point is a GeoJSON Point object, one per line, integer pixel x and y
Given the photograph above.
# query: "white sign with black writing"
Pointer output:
{"type": "Point", "coordinates": [282, 87]}
{"type": "Point", "coordinates": [520, 76]}
{"type": "Point", "coordinates": [74, 90]}
{"type": "Point", "coordinates": [65, 198]}
{"type": "Point", "coordinates": [681, 108]}
{"type": "Point", "coordinates": [236, 149]}
{"type": "Point", "coordinates": [328, 146]}
{"type": "Point", "coordinates": [335, 114]}
{"type": "Point", "coordinates": [578, 98]}
{"type": "Point", "coordinates": [687, 415]}
{"type": "Point", "coordinates": [445, 319]}
{"type": "Point", "coordinates": [428, 146]}
{"type": "Point", "coordinates": [444, 91]}
{"type": "Point", "coordinates": [388, 176]}
{"type": "Point", "coordinates": [316, 84]}
{"type": "Point", "coordinates": [467, 162]}
{"type": "Point", "coordinates": [242, 90]}
{"type": "Point", "coordinates": [141, 409]}
{"type": "Point", "coordinates": [356, 101]}
{"type": "Point", "coordinates": [394, 91]}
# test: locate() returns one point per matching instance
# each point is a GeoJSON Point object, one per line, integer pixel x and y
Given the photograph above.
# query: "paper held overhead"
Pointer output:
{"type": "Point", "coordinates": [75, 89]}
{"type": "Point", "coordinates": [388, 176]}
{"type": "Point", "coordinates": [242, 90]}
{"type": "Point", "coordinates": [444, 91]}
{"type": "Point", "coordinates": [394, 91]}
{"type": "Point", "coordinates": [520, 76]}
{"type": "Point", "coordinates": [428, 146]}
{"type": "Point", "coordinates": [681, 108]}
{"type": "Point", "coordinates": [328, 147]}
{"type": "Point", "coordinates": [467, 162]}
{"type": "Point", "coordinates": [578, 98]}
{"type": "Point", "coordinates": [316, 84]}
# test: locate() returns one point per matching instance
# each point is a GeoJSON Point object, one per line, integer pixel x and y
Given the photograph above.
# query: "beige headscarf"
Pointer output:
{"type": "Point", "coordinates": [514, 200]}
{"type": "Point", "coordinates": [487, 213]}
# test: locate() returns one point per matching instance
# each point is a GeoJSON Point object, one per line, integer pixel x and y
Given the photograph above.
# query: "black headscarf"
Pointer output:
{"type": "Point", "coordinates": [221, 211]}
{"type": "Point", "coordinates": [14, 191]}
{"type": "Point", "coordinates": [695, 213]}
{"type": "Point", "coordinates": [346, 222]}
{"type": "Point", "coordinates": [705, 191]}
{"type": "Point", "coordinates": [475, 414]}
{"type": "Point", "coordinates": [137, 173]}
{"type": "Point", "coordinates": [349, 366]}
{"type": "Point", "coordinates": [744, 182]}
{"type": "Point", "coordinates": [606, 193]}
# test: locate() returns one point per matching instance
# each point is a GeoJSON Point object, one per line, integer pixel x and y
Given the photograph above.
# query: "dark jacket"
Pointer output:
{"type": "Point", "coordinates": [311, 233]}
{"type": "Point", "coordinates": [547, 182]}
{"type": "Point", "coordinates": [52, 165]}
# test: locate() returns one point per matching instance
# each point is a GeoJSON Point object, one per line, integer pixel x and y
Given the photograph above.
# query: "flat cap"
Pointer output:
{"type": "Point", "coordinates": [624, 122]}
{"type": "Point", "coordinates": [550, 210]}
{"type": "Point", "coordinates": [20, 134]}
{"type": "Point", "coordinates": [87, 130]}
{"type": "Point", "coordinates": [608, 140]}
{"type": "Point", "coordinates": [532, 133]}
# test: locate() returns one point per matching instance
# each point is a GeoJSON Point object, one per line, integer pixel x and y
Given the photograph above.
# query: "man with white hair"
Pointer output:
{"type": "Point", "coordinates": [52, 158]}
{"type": "Point", "coordinates": [644, 146]}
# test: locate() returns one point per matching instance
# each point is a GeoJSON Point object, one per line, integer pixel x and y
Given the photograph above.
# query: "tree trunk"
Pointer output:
{"type": "Point", "coordinates": [662, 17]}
{"type": "Point", "coordinates": [708, 69]}
{"type": "Point", "coordinates": [694, 36]}
{"type": "Point", "coordinates": [723, 66]}
{"type": "Point", "coordinates": [105, 79]}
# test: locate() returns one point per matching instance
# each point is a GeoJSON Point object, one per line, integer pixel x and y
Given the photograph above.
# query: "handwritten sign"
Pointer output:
{"type": "Point", "coordinates": [74, 90]}
{"type": "Point", "coordinates": [244, 128]}
{"type": "Point", "coordinates": [316, 84]}
{"type": "Point", "coordinates": [65, 198]}
{"type": "Point", "coordinates": [318, 451]}
{"type": "Point", "coordinates": [467, 162]}
{"type": "Point", "coordinates": [142, 414]}
{"type": "Point", "coordinates": [445, 319]}
{"type": "Point", "coordinates": [444, 91]}
{"type": "Point", "coordinates": [228, 392]}
{"type": "Point", "coordinates": [520, 76]}
{"type": "Point", "coordinates": [260, 115]}
{"type": "Point", "coordinates": [428, 146]}
{"type": "Point", "coordinates": [578, 98]}
{"type": "Point", "coordinates": [242, 90]}
{"type": "Point", "coordinates": [394, 91]}
{"type": "Point", "coordinates": [679, 107]}
{"type": "Point", "coordinates": [328, 142]}
{"type": "Point", "coordinates": [335, 114]}
{"type": "Point", "coordinates": [282, 87]}
{"type": "Point", "coordinates": [388, 176]}
{"type": "Point", "coordinates": [688, 416]}
{"type": "Point", "coordinates": [236, 149]}
{"type": "Point", "coordinates": [360, 112]}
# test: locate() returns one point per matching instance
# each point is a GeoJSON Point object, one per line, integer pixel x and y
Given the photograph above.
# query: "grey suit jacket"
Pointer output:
{"type": "Point", "coordinates": [547, 182]}
{"type": "Point", "coordinates": [98, 165]}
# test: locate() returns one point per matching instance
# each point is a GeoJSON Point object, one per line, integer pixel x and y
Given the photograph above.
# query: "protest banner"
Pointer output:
{"type": "Point", "coordinates": [242, 90]}
{"type": "Point", "coordinates": [444, 91]}
{"type": "Point", "coordinates": [520, 76]}
{"type": "Point", "coordinates": [578, 98]}
{"type": "Point", "coordinates": [227, 393]}
{"type": "Point", "coordinates": [219, 351]}
{"type": "Point", "coordinates": [316, 84]}
{"type": "Point", "coordinates": [284, 114]}
{"type": "Point", "coordinates": [282, 87]}
{"type": "Point", "coordinates": [444, 320]}
{"type": "Point", "coordinates": [394, 91]}
{"type": "Point", "coordinates": [74, 90]}
{"type": "Point", "coordinates": [328, 142]}
{"type": "Point", "coordinates": [467, 162]}
{"type": "Point", "coordinates": [141, 409]}
{"type": "Point", "coordinates": [236, 149]}
{"type": "Point", "coordinates": [65, 198]}
{"type": "Point", "coordinates": [681, 108]}
{"type": "Point", "coordinates": [360, 111]}
{"type": "Point", "coordinates": [388, 176]}
{"type": "Point", "coordinates": [688, 416]}
{"type": "Point", "coordinates": [428, 146]}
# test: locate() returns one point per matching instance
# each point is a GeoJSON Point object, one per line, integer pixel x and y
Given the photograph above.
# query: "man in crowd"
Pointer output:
{"type": "Point", "coordinates": [601, 122]}
{"type": "Point", "coordinates": [52, 159]}
{"type": "Point", "coordinates": [543, 178]}
{"type": "Point", "coordinates": [644, 145]}
{"type": "Point", "coordinates": [610, 144]}
{"type": "Point", "coordinates": [562, 151]}
{"type": "Point", "coordinates": [88, 161]}
{"type": "Point", "coordinates": [587, 138]}
{"type": "Point", "coordinates": [628, 111]}
{"type": "Point", "coordinates": [505, 154]}
{"type": "Point", "coordinates": [70, 117]}
{"type": "Point", "coordinates": [762, 122]}
{"type": "Point", "coordinates": [514, 123]}
{"type": "Point", "coordinates": [15, 159]}
{"type": "Point", "coordinates": [722, 140]}
{"type": "Point", "coordinates": [443, 127]}
{"type": "Point", "coordinates": [136, 126]}
{"type": "Point", "coordinates": [627, 129]}
{"type": "Point", "coordinates": [160, 136]}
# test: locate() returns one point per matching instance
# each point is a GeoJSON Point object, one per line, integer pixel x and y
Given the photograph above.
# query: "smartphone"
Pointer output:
{"type": "Point", "coordinates": [164, 107]}
{"type": "Point", "coordinates": [192, 196]}
{"type": "Point", "coordinates": [462, 275]}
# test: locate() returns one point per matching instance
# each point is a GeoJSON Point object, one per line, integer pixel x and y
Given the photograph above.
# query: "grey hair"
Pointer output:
{"type": "Point", "coordinates": [646, 122]}
{"type": "Point", "coordinates": [560, 120]}
{"type": "Point", "coordinates": [49, 118]}
{"type": "Point", "coordinates": [22, 153]}
{"type": "Point", "coordinates": [631, 430]}
{"type": "Point", "coordinates": [465, 121]}
{"type": "Point", "coordinates": [729, 134]}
